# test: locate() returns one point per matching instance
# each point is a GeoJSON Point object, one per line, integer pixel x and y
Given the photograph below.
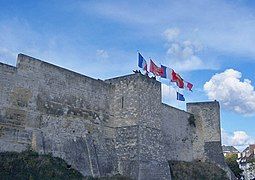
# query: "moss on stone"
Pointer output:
{"type": "Point", "coordinates": [192, 120]}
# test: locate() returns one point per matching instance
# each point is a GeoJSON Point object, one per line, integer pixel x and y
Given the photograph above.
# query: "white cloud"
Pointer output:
{"type": "Point", "coordinates": [227, 26]}
{"type": "Point", "coordinates": [240, 139]}
{"type": "Point", "coordinates": [231, 92]}
{"type": "Point", "coordinates": [102, 53]}
{"type": "Point", "coordinates": [171, 33]}
{"type": "Point", "coordinates": [181, 55]}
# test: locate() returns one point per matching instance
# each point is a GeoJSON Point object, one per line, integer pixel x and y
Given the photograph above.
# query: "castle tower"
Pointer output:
{"type": "Point", "coordinates": [207, 146]}
{"type": "Point", "coordinates": [207, 119]}
{"type": "Point", "coordinates": [136, 108]}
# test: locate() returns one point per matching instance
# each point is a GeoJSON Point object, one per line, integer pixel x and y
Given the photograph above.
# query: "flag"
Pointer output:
{"type": "Point", "coordinates": [167, 72]}
{"type": "Point", "coordinates": [180, 97]}
{"type": "Point", "coordinates": [177, 78]}
{"type": "Point", "coordinates": [157, 71]}
{"type": "Point", "coordinates": [188, 85]}
{"type": "Point", "coordinates": [141, 62]}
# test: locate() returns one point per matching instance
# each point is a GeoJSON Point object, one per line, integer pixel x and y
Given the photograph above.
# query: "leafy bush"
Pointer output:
{"type": "Point", "coordinates": [196, 170]}
{"type": "Point", "coordinates": [233, 165]}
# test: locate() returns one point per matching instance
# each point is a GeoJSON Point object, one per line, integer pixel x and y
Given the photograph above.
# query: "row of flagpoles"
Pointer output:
{"type": "Point", "coordinates": [167, 73]}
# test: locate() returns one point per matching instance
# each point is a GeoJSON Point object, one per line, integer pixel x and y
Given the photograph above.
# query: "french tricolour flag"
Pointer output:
{"type": "Point", "coordinates": [167, 72]}
{"type": "Point", "coordinates": [141, 62]}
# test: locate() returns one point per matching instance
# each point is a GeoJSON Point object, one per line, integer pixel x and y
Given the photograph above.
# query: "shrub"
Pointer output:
{"type": "Point", "coordinates": [233, 165]}
{"type": "Point", "coordinates": [196, 170]}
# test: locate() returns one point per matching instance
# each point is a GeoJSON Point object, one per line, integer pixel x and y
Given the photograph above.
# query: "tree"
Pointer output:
{"type": "Point", "coordinates": [233, 165]}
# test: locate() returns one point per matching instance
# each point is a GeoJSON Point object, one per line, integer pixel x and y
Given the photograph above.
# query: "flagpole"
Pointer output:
{"type": "Point", "coordinates": [137, 56]}
{"type": "Point", "coordinates": [160, 67]}
{"type": "Point", "coordinates": [177, 97]}
{"type": "Point", "coordinates": [169, 93]}
{"type": "Point", "coordinates": [178, 91]}
{"type": "Point", "coordinates": [169, 89]}
{"type": "Point", "coordinates": [149, 65]}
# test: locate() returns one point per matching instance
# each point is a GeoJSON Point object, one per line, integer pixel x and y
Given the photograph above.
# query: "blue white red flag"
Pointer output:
{"type": "Point", "coordinates": [142, 62]}
{"type": "Point", "coordinates": [167, 72]}
{"type": "Point", "coordinates": [180, 97]}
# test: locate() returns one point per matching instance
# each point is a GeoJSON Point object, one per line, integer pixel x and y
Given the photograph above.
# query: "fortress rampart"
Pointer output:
{"type": "Point", "coordinates": [115, 126]}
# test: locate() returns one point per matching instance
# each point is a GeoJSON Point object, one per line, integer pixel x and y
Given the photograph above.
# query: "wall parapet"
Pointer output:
{"type": "Point", "coordinates": [24, 60]}
{"type": "Point", "coordinates": [7, 67]}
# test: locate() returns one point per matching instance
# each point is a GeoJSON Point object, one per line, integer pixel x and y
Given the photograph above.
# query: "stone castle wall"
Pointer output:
{"type": "Point", "coordinates": [57, 111]}
{"type": "Point", "coordinates": [178, 134]}
{"type": "Point", "coordinates": [102, 127]}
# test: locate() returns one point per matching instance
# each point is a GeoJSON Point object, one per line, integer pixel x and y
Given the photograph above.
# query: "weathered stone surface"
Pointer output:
{"type": "Point", "coordinates": [178, 133]}
{"type": "Point", "coordinates": [101, 128]}
{"type": "Point", "coordinates": [207, 145]}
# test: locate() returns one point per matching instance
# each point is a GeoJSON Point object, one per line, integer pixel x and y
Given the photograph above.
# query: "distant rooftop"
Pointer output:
{"type": "Point", "coordinates": [230, 149]}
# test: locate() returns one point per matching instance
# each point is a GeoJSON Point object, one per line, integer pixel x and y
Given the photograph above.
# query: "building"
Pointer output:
{"type": "Point", "coordinates": [103, 127]}
{"type": "Point", "coordinates": [228, 150]}
{"type": "Point", "coordinates": [246, 161]}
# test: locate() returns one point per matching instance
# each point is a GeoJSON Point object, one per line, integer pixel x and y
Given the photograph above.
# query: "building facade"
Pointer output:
{"type": "Point", "coordinates": [246, 161]}
{"type": "Point", "coordinates": [229, 150]}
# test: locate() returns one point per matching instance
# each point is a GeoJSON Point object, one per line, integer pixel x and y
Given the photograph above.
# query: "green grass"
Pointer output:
{"type": "Point", "coordinates": [196, 171]}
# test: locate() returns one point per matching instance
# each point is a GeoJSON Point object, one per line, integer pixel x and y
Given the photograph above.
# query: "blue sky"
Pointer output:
{"type": "Point", "coordinates": [210, 43]}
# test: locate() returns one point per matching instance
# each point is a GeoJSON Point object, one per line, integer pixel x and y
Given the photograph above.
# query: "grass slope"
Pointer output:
{"type": "Point", "coordinates": [31, 165]}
